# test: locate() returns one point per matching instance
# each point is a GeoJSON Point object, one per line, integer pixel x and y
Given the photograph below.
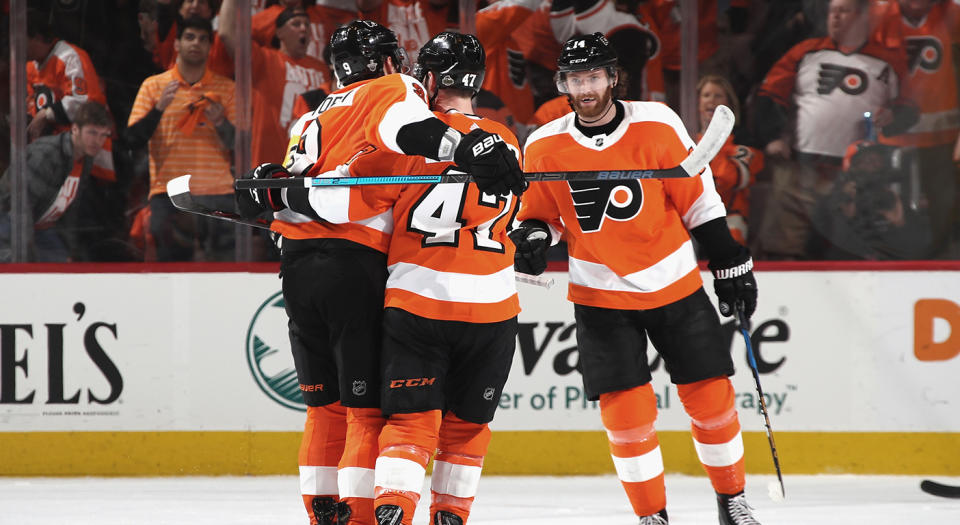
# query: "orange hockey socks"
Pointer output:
{"type": "Point", "coordinates": [320, 449]}
{"type": "Point", "coordinates": [716, 431]}
{"type": "Point", "coordinates": [457, 467]}
{"type": "Point", "coordinates": [407, 442]}
{"type": "Point", "coordinates": [355, 476]}
{"type": "Point", "coordinates": [628, 417]}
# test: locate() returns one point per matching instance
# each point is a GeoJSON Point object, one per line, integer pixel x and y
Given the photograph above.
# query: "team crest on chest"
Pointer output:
{"type": "Point", "coordinates": [595, 201]}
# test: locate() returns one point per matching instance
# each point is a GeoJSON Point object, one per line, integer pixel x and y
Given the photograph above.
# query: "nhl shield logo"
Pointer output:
{"type": "Point", "coordinates": [599, 141]}
{"type": "Point", "coordinates": [359, 387]}
{"type": "Point", "coordinates": [488, 393]}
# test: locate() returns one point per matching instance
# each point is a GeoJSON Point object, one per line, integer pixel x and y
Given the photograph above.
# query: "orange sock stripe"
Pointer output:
{"type": "Point", "coordinates": [646, 497]}
{"type": "Point", "coordinates": [459, 459]}
{"type": "Point", "coordinates": [727, 480]}
{"type": "Point", "coordinates": [324, 436]}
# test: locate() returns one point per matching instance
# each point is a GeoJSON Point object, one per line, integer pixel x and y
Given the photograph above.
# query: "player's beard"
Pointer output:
{"type": "Point", "coordinates": [601, 103]}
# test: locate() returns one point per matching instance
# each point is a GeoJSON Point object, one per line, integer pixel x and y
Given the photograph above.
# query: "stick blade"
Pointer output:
{"type": "Point", "coordinates": [939, 489]}
{"type": "Point", "coordinates": [712, 141]}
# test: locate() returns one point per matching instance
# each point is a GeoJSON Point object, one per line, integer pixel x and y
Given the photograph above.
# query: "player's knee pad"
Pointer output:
{"type": "Point", "coordinates": [324, 435]}
{"type": "Point", "coordinates": [626, 409]}
{"type": "Point", "coordinates": [709, 403]}
{"type": "Point", "coordinates": [463, 438]}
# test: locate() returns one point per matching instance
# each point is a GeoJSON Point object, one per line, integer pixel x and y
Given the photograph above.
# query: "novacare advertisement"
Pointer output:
{"type": "Point", "coordinates": [837, 351]}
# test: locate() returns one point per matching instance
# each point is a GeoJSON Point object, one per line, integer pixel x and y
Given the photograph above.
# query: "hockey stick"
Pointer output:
{"type": "Point", "coordinates": [178, 189]}
{"type": "Point", "coordinates": [710, 144]}
{"type": "Point", "coordinates": [744, 327]}
{"type": "Point", "coordinates": [939, 489]}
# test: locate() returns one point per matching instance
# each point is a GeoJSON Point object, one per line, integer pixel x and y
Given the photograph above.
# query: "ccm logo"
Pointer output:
{"type": "Point", "coordinates": [419, 381]}
{"type": "Point", "coordinates": [482, 147]}
{"type": "Point", "coordinates": [925, 313]}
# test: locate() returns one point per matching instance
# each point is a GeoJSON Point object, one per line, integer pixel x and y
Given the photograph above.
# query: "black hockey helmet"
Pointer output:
{"type": "Point", "coordinates": [457, 61]}
{"type": "Point", "coordinates": [585, 53]}
{"type": "Point", "coordinates": [358, 51]}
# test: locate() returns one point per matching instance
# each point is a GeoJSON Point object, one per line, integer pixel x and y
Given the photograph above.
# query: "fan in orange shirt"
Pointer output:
{"type": "Point", "coordinates": [735, 168]}
{"type": "Point", "coordinates": [279, 75]}
{"type": "Point", "coordinates": [634, 274]}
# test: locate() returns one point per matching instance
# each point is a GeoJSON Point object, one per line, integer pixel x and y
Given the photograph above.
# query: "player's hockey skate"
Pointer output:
{"type": "Point", "coordinates": [324, 510]}
{"type": "Point", "coordinates": [443, 517]}
{"type": "Point", "coordinates": [734, 510]}
{"type": "Point", "coordinates": [659, 518]}
{"type": "Point", "coordinates": [389, 515]}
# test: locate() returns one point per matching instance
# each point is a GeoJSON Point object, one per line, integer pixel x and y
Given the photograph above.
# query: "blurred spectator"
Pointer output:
{"type": "Point", "coordinates": [552, 110]}
{"type": "Point", "coordinates": [868, 212]}
{"type": "Point", "coordinates": [632, 36]}
{"type": "Point", "coordinates": [325, 17]}
{"type": "Point", "coordinates": [185, 114]}
{"type": "Point", "coordinates": [58, 175]}
{"type": "Point", "coordinates": [414, 21]}
{"type": "Point", "coordinates": [506, 75]}
{"type": "Point", "coordinates": [830, 83]}
{"type": "Point", "coordinates": [665, 15]}
{"type": "Point", "coordinates": [60, 78]}
{"type": "Point", "coordinates": [930, 31]}
{"type": "Point", "coordinates": [735, 168]}
{"type": "Point", "coordinates": [540, 49]}
{"type": "Point", "coordinates": [488, 105]}
{"type": "Point", "coordinates": [159, 20]}
{"type": "Point", "coordinates": [278, 77]}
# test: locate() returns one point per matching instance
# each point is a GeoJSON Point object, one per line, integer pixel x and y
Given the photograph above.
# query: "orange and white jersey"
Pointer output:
{"type": "Point", "coordinates": [63, 81]}
{"type": "Point", "coordinates": [506, 74]}
{"type": "Point", "coordinates": [628, 241]}
{"type": "Point", "coordinates": [449, 256]}
{"type": "Point", "coordinates": [931, 81]}
{"type": "Point", "coordinates": [832, 90]}
{"type": "Point", "coordinates": [364, 116]}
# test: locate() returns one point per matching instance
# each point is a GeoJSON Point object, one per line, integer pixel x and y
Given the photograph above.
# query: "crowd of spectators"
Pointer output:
{"type": "Point", "coordinates": [846, 143]}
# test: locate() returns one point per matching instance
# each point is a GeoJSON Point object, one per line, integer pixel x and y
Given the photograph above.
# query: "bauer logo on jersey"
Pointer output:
{"type": "Point", "coordinates": [924, 52]}
{"type": "Point", "coordinates": [269, 357]}
{"type": "Point", "coordinates": [850, 80]}
{"type": "Point", "coordinates": [594, 201]}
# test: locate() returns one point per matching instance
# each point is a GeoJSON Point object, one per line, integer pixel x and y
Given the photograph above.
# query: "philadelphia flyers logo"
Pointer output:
{"type": "Point", "coordinates": [596, 200]}
{"type": "Point", "coordinates": [850, 80]}
{"type": "Point", "coordinates": [924, 52]}
{"type": "Point", "coordinates": [43, 96]}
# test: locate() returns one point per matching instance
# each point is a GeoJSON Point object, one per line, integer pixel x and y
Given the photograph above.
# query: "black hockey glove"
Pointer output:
{"type": "Point", "coordinates": [532, 238]}
{"type": "Point", "coordinates": [733, 282]}
{"type": "Point", "coordinates": [486, 157]}
{"type": "Point", "coordinates": [251, 203]}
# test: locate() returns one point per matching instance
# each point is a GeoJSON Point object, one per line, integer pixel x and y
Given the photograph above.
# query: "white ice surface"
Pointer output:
{"type": "Point", "coordinates": [269, 500]}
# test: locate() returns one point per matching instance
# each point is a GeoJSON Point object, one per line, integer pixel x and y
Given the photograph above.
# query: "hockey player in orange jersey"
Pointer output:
{"type": "Point", "coordinates": [633, 274]}
{"type": "Point", "coordinates": [334, 270]}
